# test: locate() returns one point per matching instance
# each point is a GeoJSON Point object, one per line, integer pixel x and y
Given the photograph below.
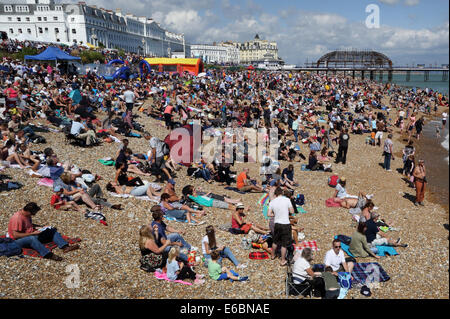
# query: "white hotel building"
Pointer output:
{"type": "Point", "coordinates": [222, 53]}
{"type": "Point", "coordinates": [46, 21]}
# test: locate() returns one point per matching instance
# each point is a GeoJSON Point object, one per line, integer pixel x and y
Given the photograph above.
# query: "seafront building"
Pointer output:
{"type": "Point", "coordinates": [257, 51]}
{"type": "Point", "coordinates": [223, 53]}
{"type": "Point", "coordinates": [46, 21]}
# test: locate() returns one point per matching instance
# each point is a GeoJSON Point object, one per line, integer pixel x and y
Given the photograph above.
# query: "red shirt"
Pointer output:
{"type": "Point", "coordinates": [19, 223]}
{"type": "Point", "coordinates": [55, 199]}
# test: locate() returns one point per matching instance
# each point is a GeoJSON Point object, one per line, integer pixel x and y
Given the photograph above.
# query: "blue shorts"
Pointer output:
{"type": "Point", "coordinates": [225, 276]}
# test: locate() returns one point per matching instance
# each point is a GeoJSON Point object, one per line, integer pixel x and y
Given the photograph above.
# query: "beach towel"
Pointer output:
{"type": "Point", "coordinates": [50, 246]}
{"type": "Point", "coordinates": [307, 244]}
{"type": "Point", "coordinates": [331, 203]}
{"type": "Point", "coordinates": [300, 210]}
{"type": "Point", "coordinates": [386, 250]}
{"type": "Point", "coordinates": [264, 200]}
{"type": "Point", "coordinates": [45, 182]}
{"type": "Point", "coordinates": [265, 211]}
{"type": "Point", "coordinates": [107, 163]}
{"type": "Point", "coordinates": [234, 189]}
{"type": "Point", "coordinates": [163, 276]}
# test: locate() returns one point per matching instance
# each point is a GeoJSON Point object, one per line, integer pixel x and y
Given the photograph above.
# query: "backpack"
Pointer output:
{"type": "Point", "coordinates": [333, 180]}
{"type": "Point", "coordinates": [8, 247]}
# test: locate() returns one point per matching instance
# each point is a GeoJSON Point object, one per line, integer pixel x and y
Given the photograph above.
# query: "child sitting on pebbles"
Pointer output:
{"type": "Point", "coordinates": [216, 272]}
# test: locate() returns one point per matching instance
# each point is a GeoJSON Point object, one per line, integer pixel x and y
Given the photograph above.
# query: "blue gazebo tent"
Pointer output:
{"type": "Point", "coordinates": [52, 54]}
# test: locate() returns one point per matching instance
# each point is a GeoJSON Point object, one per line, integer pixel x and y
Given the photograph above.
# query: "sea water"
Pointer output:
{"type": "Point", "coordinates": [445, 145]}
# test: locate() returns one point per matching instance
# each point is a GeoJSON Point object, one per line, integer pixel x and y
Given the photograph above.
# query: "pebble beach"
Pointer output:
{"type": "Point", "coordinates": [108, 260]}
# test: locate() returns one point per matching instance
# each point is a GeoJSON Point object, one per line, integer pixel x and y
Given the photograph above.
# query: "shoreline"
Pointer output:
{"type": "Point", "coordinates": [431, 150]}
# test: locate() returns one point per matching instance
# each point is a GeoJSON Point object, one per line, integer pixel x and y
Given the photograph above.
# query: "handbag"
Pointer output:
{"type": "Point", "coordinates": [151, 262]}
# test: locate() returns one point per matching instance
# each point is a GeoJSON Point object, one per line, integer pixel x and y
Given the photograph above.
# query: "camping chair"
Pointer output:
{"type": "Point", "coordinates": [304, 289]}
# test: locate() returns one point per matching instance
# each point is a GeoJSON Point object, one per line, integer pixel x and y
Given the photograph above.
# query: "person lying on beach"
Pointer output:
{"type": "Point", "coordinates": [345, 200]}
{"type": "Point", "coordinates": [190, 194]}
{"type": "Point", "coordinates": [147, 189]}
{"type": "Point", "coordinates": [180, 211]}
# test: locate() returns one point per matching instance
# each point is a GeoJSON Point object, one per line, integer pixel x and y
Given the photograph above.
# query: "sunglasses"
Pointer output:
{"type": "Point", "coordinates": [337, 246]}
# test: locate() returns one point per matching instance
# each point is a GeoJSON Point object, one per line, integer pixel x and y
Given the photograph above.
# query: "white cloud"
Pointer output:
{"type": "Point", "coordinates": [299, 34]}
{"type": "Point", "coordinates": [412, 2]}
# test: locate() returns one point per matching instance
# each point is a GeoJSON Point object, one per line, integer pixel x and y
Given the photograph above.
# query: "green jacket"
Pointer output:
{"type": "Point", "coordinates": [358, 245]}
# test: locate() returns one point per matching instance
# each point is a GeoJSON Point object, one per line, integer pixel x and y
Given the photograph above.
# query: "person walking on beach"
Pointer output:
{"type": "Point", "coordinates": [420, 180]}
{"type": "Point", "coordinates": [343, 146]}
{"type": "Point", "coordinates": [280, 208]}
{"type": "Point", "coordinates": [388, 153]}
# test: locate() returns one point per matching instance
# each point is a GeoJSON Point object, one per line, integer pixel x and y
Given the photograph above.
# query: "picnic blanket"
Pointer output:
{"type": "Point", "coordinates": [234, 189]}
{"type": "Point", "coordinates": [362, 272]}
{"type": "Point", "coordinates": [331, 203]}
{"type": "Point", "coordinates": [45, 182]}
{"type": "Point", "coordinates": [369, 272]}
{"type": "Point", "coordinates": [163, 276]}
{"type": "Point", "coordinates": [307, 244]}
{"type": "Point", "coordinates": [50, 246]}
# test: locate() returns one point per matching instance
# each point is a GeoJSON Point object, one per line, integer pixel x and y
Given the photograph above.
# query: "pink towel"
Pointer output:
{"type": "Point", "coordinates": [45, 182]}
{"type": "Point", "coordinates": [331, 203]}
{"type": "Point", "coordinates": [163, 276]}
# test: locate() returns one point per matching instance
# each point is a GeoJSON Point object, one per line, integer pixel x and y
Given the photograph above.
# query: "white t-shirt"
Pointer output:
{"type": "Point", "coordinates": [280, 207]}
{"type": "Point", "coordinates": [342, 193]}
{"type": "Point", "coordinates": [128, 96]}
{"type": "Point", "coordinates": [444, 116]}
{"type": "Point", "coordinates": [158, 144]}
{"type": "Point", "coordinates": [299, 270]}
{"type": "Point", "coordinates": [205, 240]}
{"type": "Point", "coordinates": [333, 260]}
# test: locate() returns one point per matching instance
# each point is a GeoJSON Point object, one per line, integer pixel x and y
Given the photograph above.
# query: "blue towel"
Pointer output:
{"type": "Point", "coordinates": [346, 249]}
{"type": "Point", "coordinates": [389, 250]}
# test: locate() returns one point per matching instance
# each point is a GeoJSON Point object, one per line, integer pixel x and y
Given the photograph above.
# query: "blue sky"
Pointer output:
{"type": "Point", "coordinates": [410, 30]}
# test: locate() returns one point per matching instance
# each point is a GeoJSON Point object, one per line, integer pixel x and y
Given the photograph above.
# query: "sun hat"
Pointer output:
{"type": "Point", "coordinates": [240, 206]}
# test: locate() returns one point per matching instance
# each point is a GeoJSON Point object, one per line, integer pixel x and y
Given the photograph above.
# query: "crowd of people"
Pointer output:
{"type": "Point", "coordinates": [311, 112]}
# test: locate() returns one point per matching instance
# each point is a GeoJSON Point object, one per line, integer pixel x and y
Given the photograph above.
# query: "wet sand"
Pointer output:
{"type": "Point", "coordinates": [430, 149]}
